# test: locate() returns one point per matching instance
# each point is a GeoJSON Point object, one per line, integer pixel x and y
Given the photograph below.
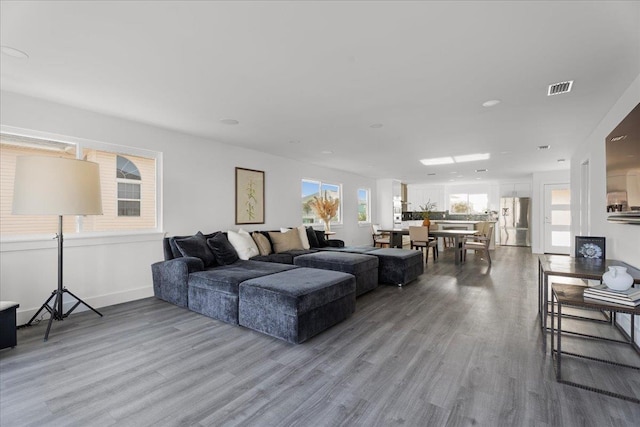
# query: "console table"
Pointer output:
{"type": "Point", "coordinates": [573, 295]}
{"type": "Point", "coordinates": [566, 266]}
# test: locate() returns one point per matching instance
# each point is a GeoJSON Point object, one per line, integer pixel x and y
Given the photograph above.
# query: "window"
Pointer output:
{"type": "Point", "coordinates": [311, 189]}
{"type": "Point", "coordinates": [364, 205]}
{"type": "Point", "coordinates": [468, 203]}
{"type": "Point", "coordinates": [128, 180]}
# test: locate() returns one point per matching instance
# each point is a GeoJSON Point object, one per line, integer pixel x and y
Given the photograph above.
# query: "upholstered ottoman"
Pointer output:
{"type": "Point", "coordinates": [297, 304]}
{"type": "Point", "coordinates": [214, 292]}
{"type": "Point", "coordinates": [398, 266]}
{"type": "Point", "coordinates": [364, 267]}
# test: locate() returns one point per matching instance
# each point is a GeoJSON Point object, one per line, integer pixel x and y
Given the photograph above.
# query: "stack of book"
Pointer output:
{"type": "Point", "coordinates": [630, 297]}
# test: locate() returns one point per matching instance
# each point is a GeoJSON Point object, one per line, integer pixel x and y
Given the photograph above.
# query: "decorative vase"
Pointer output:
{"type": "Point", "coordinates": [426, 222]}
{"type": "Point", "coordinates": [327, 226]}
{"type": "Point", "coordinates": [617, 278]}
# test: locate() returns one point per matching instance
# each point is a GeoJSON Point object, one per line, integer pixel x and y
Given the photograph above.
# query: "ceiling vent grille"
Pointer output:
{"type": "Point", "coordinates": [558, 88]}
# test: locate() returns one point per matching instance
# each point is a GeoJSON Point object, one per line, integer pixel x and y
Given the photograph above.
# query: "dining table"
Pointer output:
{"type": "Point", "coordinates": [395, 238]}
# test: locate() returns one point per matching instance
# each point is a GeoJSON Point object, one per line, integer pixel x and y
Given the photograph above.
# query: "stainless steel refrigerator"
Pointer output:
{"type": "Point", "coordinates": [513, 220]}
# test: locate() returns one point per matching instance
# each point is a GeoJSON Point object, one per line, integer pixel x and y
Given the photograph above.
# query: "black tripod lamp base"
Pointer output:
{"type": "Point", "coordinates": [56, 311]}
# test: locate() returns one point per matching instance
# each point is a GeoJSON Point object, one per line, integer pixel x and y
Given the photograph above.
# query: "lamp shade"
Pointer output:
{"type": "Point", "coordinates": [56, 186]}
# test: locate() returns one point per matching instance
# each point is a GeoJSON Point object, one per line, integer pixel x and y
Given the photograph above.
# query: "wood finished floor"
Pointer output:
{"type": "Point", "coordinates": [460, 346]}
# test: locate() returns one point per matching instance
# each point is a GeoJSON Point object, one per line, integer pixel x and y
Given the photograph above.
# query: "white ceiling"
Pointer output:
{"type": "Point", "coordinates": [320, 73]}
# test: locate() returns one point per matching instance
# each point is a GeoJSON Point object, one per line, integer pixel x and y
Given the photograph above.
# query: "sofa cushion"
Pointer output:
{"type": "Point", "coordinates": [313, 239]}
{"type": "Point", "coordinates": [283, 242]}
{"type": "Point", "coordinates": [283, 257]}
{"type": "Point", "coordinates": [263, 244]}
{"type": "Point", "coordinates": [223, 250]}
{"type": "Point", "coordinates": [196, 246]}
{"type": "Point", "coordinates": [227, 278]}
{"type": "Point", "coordinates": [243, 243]}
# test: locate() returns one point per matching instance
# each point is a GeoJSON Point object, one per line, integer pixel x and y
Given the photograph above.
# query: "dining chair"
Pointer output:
{"type": "Point", "coordinates": [478, 242]}
{"type": "Point", "coordinates": [419, 237]}
{"type": "Point", "coordinates": [380, 238]}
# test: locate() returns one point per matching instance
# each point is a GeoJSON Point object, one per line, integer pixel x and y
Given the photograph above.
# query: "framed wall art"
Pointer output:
{"type": "Point", "coordinates": [249, 196]}
{"type": "Point", "coordinates": [591, 247]}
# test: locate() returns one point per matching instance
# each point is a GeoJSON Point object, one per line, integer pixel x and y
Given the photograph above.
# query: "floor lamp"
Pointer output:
{"type": "Point", "coordinates": [57, 186]}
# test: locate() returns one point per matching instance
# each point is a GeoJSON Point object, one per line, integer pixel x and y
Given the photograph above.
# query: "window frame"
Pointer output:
{"type": "Point", "coordinates": [339, 222]}
{"type": "Point", "coordinates": [80, 144]}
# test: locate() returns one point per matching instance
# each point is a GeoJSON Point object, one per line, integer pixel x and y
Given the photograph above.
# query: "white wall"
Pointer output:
{"type": "Point", "coordinates": [384, 202]}
{"type": "Point", "coordinates": [622, 239]}
{"type": "Point", "coordinates": [198, 179]}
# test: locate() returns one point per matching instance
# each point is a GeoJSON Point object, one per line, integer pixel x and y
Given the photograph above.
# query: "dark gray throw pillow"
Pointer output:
{"type": "Point", "coordinates": [196, 246]}
{"type": "Point", "coordinates": [223, 250]}
{"type": "Point", "coordinates": [322, 242]}
{"type": "Point", "coordinates": [313, 240]}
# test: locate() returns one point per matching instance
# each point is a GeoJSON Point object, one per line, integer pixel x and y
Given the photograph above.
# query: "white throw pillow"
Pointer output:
{"type": "Point", "coordinates": [243, 243]}
{"type": "Point", "coordinates": [303, 237]}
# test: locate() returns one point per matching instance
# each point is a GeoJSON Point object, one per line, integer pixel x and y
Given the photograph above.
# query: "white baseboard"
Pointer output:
{"type": "Point", "coordinates": [23, 316]}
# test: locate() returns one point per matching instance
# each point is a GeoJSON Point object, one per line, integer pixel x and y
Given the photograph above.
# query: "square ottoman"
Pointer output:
{"type": "Point", "coordinates": [364, 267]}
{"type": "Point", "coordinates": [398, 266]}
{"type": "Point", "coordinates": [297, 304]}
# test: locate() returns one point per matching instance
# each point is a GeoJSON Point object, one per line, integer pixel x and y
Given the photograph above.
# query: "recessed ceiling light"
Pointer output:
{"type": "Point", "coordinates": [482, 170]}
{"type": "Point", "coordinates": [505, 152]}
{"type": "Point", "coordinates": [437, 161]}
{"type": "Point", "coordinates": [327, 152]}
{"type": "Point", "coordinates": [618, 138]}
{"type": "Point", "coordinates": [491, 103]}
{"type": "Point", "coordinates": [229, 121]}
{"type": "Point", "coordinates": [561, 160]}
{"type": "Point", "coordinates": [453, 172]}
{"type": "Point", "coordinates": [13, 52]}
{"type": "Point", "coordinates": [558, 88]}
{"type": "Point", "coordinates": [471, 157]}
{"type": "Point", "coordinates": [431, 174]}
{"type": "Point", "coordinates": [543, 147]}
{"type": "Point", "coordinates": [376, 125]}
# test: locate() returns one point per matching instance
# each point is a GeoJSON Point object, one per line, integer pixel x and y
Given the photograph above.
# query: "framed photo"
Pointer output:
{"type": "Point", "coordinates": [249, 196]}
{"type": "Point", "coordinates": [591, 247]}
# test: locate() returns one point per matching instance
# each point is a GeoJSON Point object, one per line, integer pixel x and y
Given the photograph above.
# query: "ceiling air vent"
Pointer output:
{"type": "Point", "coordinates": [558, 88]}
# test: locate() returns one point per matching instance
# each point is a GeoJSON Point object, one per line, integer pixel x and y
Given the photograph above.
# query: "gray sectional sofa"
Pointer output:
{"type": "Point", "coordinates": [305, 291]}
